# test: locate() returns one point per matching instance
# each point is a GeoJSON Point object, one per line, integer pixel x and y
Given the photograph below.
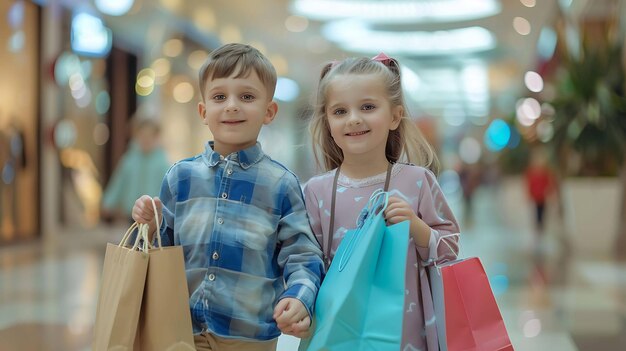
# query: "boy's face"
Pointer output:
{"type": "Point", "coordinates": [235, 109]}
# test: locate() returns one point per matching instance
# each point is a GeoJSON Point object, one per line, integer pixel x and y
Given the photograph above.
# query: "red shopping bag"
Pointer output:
{"type": "Point", "coordinates": [466, 311]}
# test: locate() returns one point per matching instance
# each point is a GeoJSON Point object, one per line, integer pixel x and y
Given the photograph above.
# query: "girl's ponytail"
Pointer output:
{"type": "Point", "coordinates": [394, 66]}
{"type": "Point", "coordinates": [327, 67]}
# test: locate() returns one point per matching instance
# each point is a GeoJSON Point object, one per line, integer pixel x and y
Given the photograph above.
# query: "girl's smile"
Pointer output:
{"type": "Point", "coordinates": [358, 133]}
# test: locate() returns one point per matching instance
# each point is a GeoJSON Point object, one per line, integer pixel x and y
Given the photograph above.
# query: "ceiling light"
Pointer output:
{"type": "Point", "coordinates": [357, 36]}
{"type": "Point", "coordinates": [114, 7]}
{"type": "Point", "coordinates": [90, 37]}
{"type": "Point", "coordinates": [397, 11]}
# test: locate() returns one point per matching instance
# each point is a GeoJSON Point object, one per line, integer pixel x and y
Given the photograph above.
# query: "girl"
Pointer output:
{"type": "Point", "coordinates": [361, 132]}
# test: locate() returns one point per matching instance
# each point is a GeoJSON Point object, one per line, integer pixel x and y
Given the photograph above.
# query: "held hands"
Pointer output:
{"type": "Point", "coordinates": [143, 212]}
{"type": "Point", "coordinates": [292, 317]}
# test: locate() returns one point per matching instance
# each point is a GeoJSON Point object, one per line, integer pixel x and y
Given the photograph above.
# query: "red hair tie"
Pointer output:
{"type": "Point", "coordinates": [382, 58]}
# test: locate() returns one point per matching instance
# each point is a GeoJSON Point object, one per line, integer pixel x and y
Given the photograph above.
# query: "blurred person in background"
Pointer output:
{"type": "Point", "coordinates": [540, 185]}
{"type": "Point", "coordinates": [139, 171]}
{"type": "Point", "coordinates": [470, 176]}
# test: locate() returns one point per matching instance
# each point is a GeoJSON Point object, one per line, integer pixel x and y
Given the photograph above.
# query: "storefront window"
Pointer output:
{"type": "Point", "coordinates": [19, 101]}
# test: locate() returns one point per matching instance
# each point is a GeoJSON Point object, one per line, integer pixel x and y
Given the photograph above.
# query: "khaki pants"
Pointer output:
{"type": "Point", "coordinates": [209, 342]}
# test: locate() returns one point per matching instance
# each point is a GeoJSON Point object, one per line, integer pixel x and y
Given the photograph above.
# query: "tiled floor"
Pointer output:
{"type": "Point", "coordinates": [551, 298]}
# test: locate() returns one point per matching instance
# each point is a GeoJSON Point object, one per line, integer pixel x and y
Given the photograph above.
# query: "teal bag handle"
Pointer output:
{"type": "Point", "coordinates": [376, 205]}
{"type": "Point", "coordinates": [331, 225]}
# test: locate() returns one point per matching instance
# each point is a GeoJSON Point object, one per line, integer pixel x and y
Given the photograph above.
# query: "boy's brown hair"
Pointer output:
{"type": "Point", "coordinates": [239, 59]}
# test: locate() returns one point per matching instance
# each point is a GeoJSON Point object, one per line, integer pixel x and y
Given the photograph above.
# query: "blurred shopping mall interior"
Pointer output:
{"type": "Point", "coordinates": [497, 87]}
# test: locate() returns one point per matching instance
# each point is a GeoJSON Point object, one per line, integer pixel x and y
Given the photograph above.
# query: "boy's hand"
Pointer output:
{"type": "Point", "coordinates": [292, 317]}
{"type": "Point", "coordinates": [143, 212]}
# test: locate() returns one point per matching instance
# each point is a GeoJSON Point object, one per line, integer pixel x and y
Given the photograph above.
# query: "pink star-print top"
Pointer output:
{"type": "Point", "coordinates": [417, 186]}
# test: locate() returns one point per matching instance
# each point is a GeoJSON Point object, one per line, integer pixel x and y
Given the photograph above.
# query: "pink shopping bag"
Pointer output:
{"type": "Point", "coordinates": [467, 314]}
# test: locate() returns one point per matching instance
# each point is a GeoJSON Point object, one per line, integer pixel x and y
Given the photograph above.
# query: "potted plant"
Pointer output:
{"type": "Point", "coordinates": [589, 140]}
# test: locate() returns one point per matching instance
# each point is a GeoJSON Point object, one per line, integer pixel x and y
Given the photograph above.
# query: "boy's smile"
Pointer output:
{"type": "Point", "coordinates": [235, 109]}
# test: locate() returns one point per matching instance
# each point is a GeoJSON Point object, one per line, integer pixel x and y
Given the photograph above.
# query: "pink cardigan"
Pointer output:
{"type": "Point", "coordinates": [418, 187]}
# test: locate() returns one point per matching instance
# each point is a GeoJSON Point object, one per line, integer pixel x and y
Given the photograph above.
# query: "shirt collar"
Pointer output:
{"type": "Point", "coordinates": [245, 158]}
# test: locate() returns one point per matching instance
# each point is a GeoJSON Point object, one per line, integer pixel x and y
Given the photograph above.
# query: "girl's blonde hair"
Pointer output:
{"type": "Point", "coordinates": [404, 144]}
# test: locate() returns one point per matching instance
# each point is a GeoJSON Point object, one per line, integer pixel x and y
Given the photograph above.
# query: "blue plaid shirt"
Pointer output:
{"type": "Point", "coordinates": [246, 239]}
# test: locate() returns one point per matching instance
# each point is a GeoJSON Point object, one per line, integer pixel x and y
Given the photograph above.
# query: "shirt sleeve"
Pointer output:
{"type": "Point", "coordinates": [434, 210]}
{"type": "Point", "coordinates": [169, 204]}
{"type": "Point", "coordinates": [313, 209]}
{"type": "Point", "coordinates": [300, 256]}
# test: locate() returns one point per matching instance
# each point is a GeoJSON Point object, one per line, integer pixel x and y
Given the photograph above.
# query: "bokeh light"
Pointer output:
{"type": "Point", "coordinates": [173, 47]}
{"type": "Point", "coordinates": [470, 150]}
{"type": "Point", "coordinates": [296, 24]}
{"type": "Point", "coordinates": [183, 92]}
{"type": "Point", "coordinates": [533, 81]}
{"type": "Point", "coordinates": [521, 25]}
{"type": "Point", "coordinates": [497, 135]}
{"type": "Point", "coordinates": [103, 102]}
{"type": "Point", "coordinates": [101, 134]}
{"type": "Point", "coordinates": [286, 89]}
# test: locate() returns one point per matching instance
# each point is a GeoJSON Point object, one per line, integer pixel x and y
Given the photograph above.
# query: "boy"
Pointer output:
{"type": "Point", "coordinates": [239, 216]}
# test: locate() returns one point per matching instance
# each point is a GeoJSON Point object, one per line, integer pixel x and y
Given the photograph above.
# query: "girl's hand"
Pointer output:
{"type": "Point", "coordinates": [398, 211]}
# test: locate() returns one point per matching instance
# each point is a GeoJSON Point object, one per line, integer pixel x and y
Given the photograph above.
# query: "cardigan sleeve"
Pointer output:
{"type": "Point", "coordinates": [434, 210]}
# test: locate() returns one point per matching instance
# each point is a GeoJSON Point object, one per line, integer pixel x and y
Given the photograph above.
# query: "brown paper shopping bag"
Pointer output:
{"type": "Point", "coordinates": [121, 293]}
{"type": "Point", "coordinates": [165, 322]}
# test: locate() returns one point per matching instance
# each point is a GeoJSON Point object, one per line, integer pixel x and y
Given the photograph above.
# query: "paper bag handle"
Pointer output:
{"type": "Point", "coordinates": [126, 237]}
{"type": "Point", "coordinates": [142, 233]}
{"type": "Point", "coordinates": [145, 233]}
{"type": "Point", "coordinates": [441, 238]}
{"type": "Point", "coordinates": [377, 203]}
{"type": "Point", "coordinates": [331, 225]}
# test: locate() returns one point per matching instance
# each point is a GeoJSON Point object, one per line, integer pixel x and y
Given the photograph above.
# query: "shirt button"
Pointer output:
{"type": "Point", "coordinates": [224, 195]}
{"type": "Point", "coordinates": [220, 221]}
{"type": "Point", "coordinates": [244, 165]}
{"type": "Point", "coordinates": [211, 277]}
{"type": "Point", "coordinates": [229, 171]}
{"type": "Point", "coordinates": [215, 255]}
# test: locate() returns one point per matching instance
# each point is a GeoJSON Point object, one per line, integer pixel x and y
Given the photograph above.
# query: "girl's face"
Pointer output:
{"type": "Point", "coordinates": [360, 115]}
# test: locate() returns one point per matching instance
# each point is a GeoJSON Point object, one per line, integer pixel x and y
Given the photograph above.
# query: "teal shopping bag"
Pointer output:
{"type": "Point", "coordinates": [360, 304]}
